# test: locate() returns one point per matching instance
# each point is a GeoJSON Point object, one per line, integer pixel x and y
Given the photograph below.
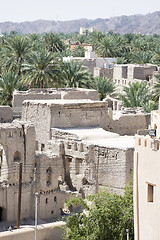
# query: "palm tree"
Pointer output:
{"type": "Point", "coordinates": [74, 74]}
{"type": "Point", "coordinates": [103, 86]}
{"type": "Point", "coordinates": [78, 52]}
{"type": "Point", "coordinates": [156, 88]}
{"type": "Point", "coordinates": [53, 42]}
{"type": "Point", "coordinates": [96, 37]}
{"type": "Point", "coordinates": [8, 83]}
{"type": "Point", "coordinates": [41, 70]}
{"type": "Point", "coordinates": [106, 47]}
{"type": "Point", "coordinates": [14, 53]}
{"type": "Point", "coordinates": [81, 39]}
{"type": "Point", "coordinates": [137, 95]}
{"type": "Point", "coordinates": [143, 57]}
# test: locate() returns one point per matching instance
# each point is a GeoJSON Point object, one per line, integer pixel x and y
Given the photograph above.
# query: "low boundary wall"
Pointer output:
{"type": "Point", "coordinates": [49, 231]}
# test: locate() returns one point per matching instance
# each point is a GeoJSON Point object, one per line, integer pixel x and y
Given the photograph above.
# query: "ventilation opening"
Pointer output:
{"type": "Point", "coordinates": [145, 143]}
{"type": "Point", "coordinates": [36, 146]}
{"type": "Point", "coordinates": [150, 192]}
{"type": "Point", "coordinates": [10, 134]}
{"type": "Point", "coordinates": [49, 176]}
{"type": "Point", "coordinates": [17, 156]}
{"type": "Point", "coordinates": [139, 142]}
{"type": "Point", "coordinates": [42, 147]}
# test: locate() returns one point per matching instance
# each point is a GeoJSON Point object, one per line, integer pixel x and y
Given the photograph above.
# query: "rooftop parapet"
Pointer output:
{"type": "Point", "coordinates": [147, 142]}
{"type": "Point", "coordinates": [51, 94]}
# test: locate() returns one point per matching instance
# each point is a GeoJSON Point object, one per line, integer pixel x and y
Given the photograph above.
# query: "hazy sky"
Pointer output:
{"type": "Point", "coordinates": [29, 10]}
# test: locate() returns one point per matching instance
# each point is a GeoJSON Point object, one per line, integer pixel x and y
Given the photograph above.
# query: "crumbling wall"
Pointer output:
{"type": "Point", "coordinates": [33, 94]}
{"type": "Point", "coordinates": [90, 167]}
{"type": "Point", "coordinates": [129, 124]}
{"type": "Point", "coordinates": [67, 113]}
{"type": "Point", "coordinates": [38, 113]}
{"type": "Point", "coordinates": [51, 94]}
{"type": "Point", "coordinates": [18, 145]}
{"type": "Point", "coordinates": [83, 114]}
{"type": "Point", "coordinates": [80, 94]}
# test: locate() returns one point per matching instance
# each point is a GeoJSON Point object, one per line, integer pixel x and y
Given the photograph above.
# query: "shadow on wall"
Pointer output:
{"type": "Point", "coordinates": [1, 212]}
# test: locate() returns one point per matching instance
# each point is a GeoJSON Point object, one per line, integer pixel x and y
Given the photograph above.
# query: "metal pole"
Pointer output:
{"type": "Point", "coordinates": [127, 231]}
{"type": "Point", "coordinates": [19, 196]}
{"type": "Point", "coordinates": [36, 200]}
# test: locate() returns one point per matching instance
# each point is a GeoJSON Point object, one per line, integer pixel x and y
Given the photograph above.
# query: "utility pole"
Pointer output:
{"type": "Point", "coordinates": [36, 201]}
{"type": "Point", "coordinates": [127, 231]}
{"type": "Point", "coordinates": [19, 196]}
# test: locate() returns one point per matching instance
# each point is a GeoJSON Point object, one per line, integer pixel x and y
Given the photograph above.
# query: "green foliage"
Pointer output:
{"type": "Point", "coordinates": [36, 58]}
{"type": "Point", "coordinates": [103, 86]}
{"type": "Point", "coordinates": [78, 52]}
{"type": "Point", "coordinates": [75, 202]}
{"type": "Point", "coordinates": [108, 217]}
{"type": "Point", "coordinates": [40, 70]}
{"type": "Point", "coordinates": [73, 74]}
{"type": "Point", "coordinates": [8, 83]}
{"type": "Point", "coordinates": [106, 47]}
{"type": "Point", "coordinates": [156, 88]}
{"type": "Point", "coordinates": [14, 53]}
{"type": "Point", "coordinates": [138, 95]}
{"type": "Point", "coordinates": [53, 42]}
{"type": "Point", "coordinates": [143, 57]}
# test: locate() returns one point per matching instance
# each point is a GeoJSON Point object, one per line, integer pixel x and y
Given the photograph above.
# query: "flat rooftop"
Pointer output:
{"type": "Point", "coordinates": [100, 137]}
{"type": "Point", "coordinates": [53, 90]}
{"type": "Point", "coordinates": [64, 102]}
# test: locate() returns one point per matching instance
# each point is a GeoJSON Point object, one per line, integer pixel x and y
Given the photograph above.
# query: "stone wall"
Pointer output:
{"type": "Point", "coordinates": [66, 113]}
{"type": "Point", "coordinates": [52, 93]}
{"type": "Point", "coordinates": [129, 124]}
{"type": "Point", "coordinates": [63, 153]}
{"type": "Point", "coordinates": [90, 166]}
{"type": "Point", "coordinates": [17, 145]}
{"type": "Point", "coordinates": [133, 72]}
{"type": "Point", "coordinates": [6, 114]}
{"type": "Point", "coordinates": [42, 172]}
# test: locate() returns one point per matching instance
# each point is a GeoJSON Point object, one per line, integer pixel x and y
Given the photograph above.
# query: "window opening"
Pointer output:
{"type": "Point", "coordinates": [150, 192]}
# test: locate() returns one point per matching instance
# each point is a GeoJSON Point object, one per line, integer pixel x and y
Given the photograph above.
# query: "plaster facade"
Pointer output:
{"type": "Point", "coordinates": [147, 182]}
{"type": "Point", "coordinates": [146, 188]}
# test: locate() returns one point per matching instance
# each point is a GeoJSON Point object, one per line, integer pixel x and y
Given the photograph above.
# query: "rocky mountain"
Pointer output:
{"type": "Point", "coordinates": [145, 24]}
